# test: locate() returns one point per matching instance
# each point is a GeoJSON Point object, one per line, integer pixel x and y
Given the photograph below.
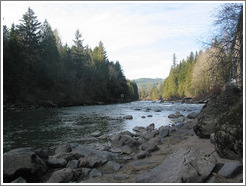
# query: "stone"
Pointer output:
{"type": "Point", "coordinates": [121, 177]}
{"type": "Point", "coordinates": [64, 148]}
{"type": "Point", "coordinates": [231, 169]}
{"type": "Point", "coordinates": [56, 162]}
{"type": "Point", "coordinates": [95, 173]}
{"type": "Point", "coordinates": [176, 115]}
{"type": "Point", "coordinates": [19, 180]}
{"type": "Point", "coordinates": [23, 162]}
{"type": "Point", "coordinates": [96, 133]}
{"type": "Point", "coordinates": [103, 137]}
{"type": "Point", "coordinates": [85, 171]}
{"type": "Point", "coordinates": [61, 176]}
{"type": "Point", "coordinates": [113, 165]}
{"type": "Point", "coordinates": [85, 151]}
{"type": "Point", "coordinates": [126, 133]}
{"type": "Point", "coordinates": [183, 166]}
{"type": "Point", "coordinates": [142, 154]}
{"type": "Point", "coordinates": [150, 127]}
{"type": "Point", "coordinates": [128, 117]}
{"type": "Point", "coordinates": [212, 140]}
{"type": "Point", "coordinates": [158, 110]}
{"type": "Point", "coordinates": [149, 147]}
{"type": "Point", "coordinates": [192, 115]}
{"type": "Point", "coordinates": [216, 113]}
{"type": "Point", "coordinates": [150, 116]}
{"type": "Point", "coordinates": [164, 132]}
{"type": "Point", "coordinates": [82, 162]}
{"type": "Point", "coordinates": [73, 164]}
{"type": "Point", "coordinates": [150, 134]}
{"type": "Point", "coordinates": [139, 129]}
{"type": "Point", "coordinates": [155, 141]}
{"type": "Point", "coordinates": [143, 116]}
{"type": "Point", "coordinates": [121, 140]}
{"type": "Point", "coordinates": [126, 149]}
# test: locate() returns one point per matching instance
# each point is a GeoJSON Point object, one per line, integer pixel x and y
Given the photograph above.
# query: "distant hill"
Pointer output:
{"type": "Point", "coordinates": [145, 83]}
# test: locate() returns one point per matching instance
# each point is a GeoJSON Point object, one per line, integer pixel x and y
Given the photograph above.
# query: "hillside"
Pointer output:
{"type": "Point", "coordinates": [145, 83]}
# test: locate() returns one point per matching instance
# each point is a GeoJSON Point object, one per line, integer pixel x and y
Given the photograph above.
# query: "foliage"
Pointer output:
{"type": "Point", "coordinates": [37, 67]}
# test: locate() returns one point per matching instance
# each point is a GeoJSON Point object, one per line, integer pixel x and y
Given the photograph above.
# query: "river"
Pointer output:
{"type": "Point", "coordinates": [48, 128]}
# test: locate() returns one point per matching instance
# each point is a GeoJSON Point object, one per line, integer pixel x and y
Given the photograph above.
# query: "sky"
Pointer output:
{"type": "Point", "coordinates": [142, 36]}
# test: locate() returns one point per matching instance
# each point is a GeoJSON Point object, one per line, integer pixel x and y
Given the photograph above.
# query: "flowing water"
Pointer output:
{"type": "Point", "coordinates": [48, 128]}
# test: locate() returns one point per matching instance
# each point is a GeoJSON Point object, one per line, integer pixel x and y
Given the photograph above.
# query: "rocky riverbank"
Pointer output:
{"type": "Point", "coordinates": [169, 154]}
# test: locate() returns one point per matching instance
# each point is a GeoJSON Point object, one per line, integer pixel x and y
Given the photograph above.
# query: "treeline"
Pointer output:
{"type": "Point", "coordinates": [37, 67]}
{"type": "Point", "coordinates": [206, 72]}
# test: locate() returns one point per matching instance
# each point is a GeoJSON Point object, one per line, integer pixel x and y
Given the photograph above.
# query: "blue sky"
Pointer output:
{"type": "Point", "coordinates": [142, 36]}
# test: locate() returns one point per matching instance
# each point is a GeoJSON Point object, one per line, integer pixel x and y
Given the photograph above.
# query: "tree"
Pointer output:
{"type": "Point", "coordinates": [29, 29]}
{"type": "Point", "coordinates": [77, 48]}
{"type": "Point", "coordinates": [174, 60]}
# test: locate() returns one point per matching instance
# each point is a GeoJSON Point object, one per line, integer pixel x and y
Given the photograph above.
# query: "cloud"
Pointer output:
{"type": "Point", "coordinates": [142, 36]}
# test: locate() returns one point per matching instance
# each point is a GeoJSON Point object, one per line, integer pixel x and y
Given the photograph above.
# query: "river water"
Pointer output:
{"type": "Point", "coordinates": [48, 128]}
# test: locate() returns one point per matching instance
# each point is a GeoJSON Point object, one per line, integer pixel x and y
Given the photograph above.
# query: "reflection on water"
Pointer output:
{"type": "Point", "coordinates": [47, 128]}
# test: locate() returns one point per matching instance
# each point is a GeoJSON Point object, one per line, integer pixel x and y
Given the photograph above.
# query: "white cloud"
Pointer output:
{"type": "Point", "coordinates": [142, 36]}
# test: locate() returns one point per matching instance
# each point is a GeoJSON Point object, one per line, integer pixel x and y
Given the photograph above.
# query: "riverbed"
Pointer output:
{"type": "Point", "coordinates": [48, 128]}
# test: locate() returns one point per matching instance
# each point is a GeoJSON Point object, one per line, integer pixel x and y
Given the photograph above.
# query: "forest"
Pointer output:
{"type": "Point", "coordinates": [206, 72]}
{"type": "Point", "coordinates": [39, 69]}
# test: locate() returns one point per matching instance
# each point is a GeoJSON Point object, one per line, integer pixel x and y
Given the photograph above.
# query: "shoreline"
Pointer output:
{"type": "Point", "coordinates": [127, 165]}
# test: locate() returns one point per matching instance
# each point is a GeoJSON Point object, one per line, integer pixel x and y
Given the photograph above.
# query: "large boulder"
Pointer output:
{"type": "Point", "coordinates": [84, 151]}
{"type": "Point", "coordinates": [23, 162]}
{"type": "Point", "coordinates": [229, 133]}
{"type": "Point", "coordinates": [121, 140]}
{"type": "Point", "coordinates": [61, 176]}
{"type": "Point", "coordinates": [183, 166]}
{"type": "Point", "coordinates": [214, 110]}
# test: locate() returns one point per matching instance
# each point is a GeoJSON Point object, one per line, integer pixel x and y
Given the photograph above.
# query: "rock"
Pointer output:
{"type": "Point", "coordinates": [95, 173]}
{"type": "Point", "coordinates": [128, 117]}
{"type": "Point", "coordinates": [149, 147]}
{"type": "Point", "coordinates": [176, 115]}
{"type": "Point", "coordinates": [150, 134]}
{"type": "Point", "coordinates": [121, 140]}
{"type": "Point", "coordinates": [192, 115]}
{"type": "Point", "coordinates": [111, 167]}
{"type": "Point", "coordinates": [231, 169]}
{"type": "Point", "coordinates": [126, 149]}
{"type": "Point", "coordinates": [85, 171]}
{"type": "Point", "coordinates": [150, 116]}
{"type": "Point", "coordinates": [142, 154]}
{"type": "Point", "coordinates": [139, 129]}
{"type": "Point", "coordinates": [121, 177]}
{"type": "Point", "coordinates": [158, 110]}
{"type": "Point", "coordinates": [229, 132]}
{"type": "Point", "coordinates": [56, 162]}
{"type": "Point", "coordinates": [115, 150]}
{"type": "Point", "coordinates": [103, 137]}
{"type": "Point", "coordinates": [96, 134]}
{"type": "Point", "coordinates": [216, 109]}
{"type": "Point", "coordinates": [83, 162]}
{"type": "Point", "coordinates": [84, 151]}
{"type": "Point", "coordinates": [126, 133]}
{"type": "Point", "coordinates": [73, 164]}
{"type": "Point", "coordinates": [143, 116]}
{"type": "Point", "coordinates": [150, 127]}
{"type": "Point", "coordinates": [188, 166]}
{"type": "Point", "coordinates": [65, 148]}
{"type": "Point", "coordinates": [212, 138]}
{"type": "Point", "coordinates": [23, 162]}
{"type": "Point", "coordinates": [141, 140]}
{"type": "Point", "coordinates": [164, 132]}
{"type": "Point", "coordinates": [61, 176]}
{"type": "Point", "coordinates": [155, 141]}
{"type": "Point", "coordinates": [43, 154]}
{"type": "Point", "coordinates": [67, 156]}
{"type": "Point", "coordinates": [19, 180]}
